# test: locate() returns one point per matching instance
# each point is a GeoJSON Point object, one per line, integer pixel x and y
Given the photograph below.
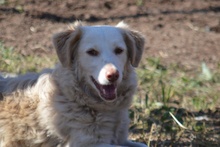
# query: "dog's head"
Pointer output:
{"type": "Point", "coordinates": [102, 53]}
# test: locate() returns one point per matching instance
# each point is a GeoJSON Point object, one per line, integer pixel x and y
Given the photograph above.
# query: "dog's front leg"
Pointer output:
{"type": "Point", "coordinates": [134, 144]}
{"type": "Point", "coordinates": [107, 145]}
{"type": "Point", "coordinates": [93, 145]}
{"type": "Point", "coordinates": [96, 145]}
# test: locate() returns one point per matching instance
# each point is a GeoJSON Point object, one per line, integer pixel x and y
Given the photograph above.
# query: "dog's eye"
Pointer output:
{"type": "Point", "coordinates": [93, 52]}
{"type": "Point", "coordinates": [118, 51]}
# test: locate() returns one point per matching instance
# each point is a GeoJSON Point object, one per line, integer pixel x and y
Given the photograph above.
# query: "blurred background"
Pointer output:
{"type": "Point", "coordinates": [178, 98]}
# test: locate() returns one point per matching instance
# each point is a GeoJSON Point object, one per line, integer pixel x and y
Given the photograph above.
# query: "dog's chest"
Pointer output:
{"type": "Point", "coordinates": [111, 127]}
{"type": "Point", "coordinates": [83, 122]}
{"type": "Point", "coordinates": [105, 126]}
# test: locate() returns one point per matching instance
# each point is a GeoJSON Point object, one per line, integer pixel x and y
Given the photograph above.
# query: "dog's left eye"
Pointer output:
{"type": "Point", "coordinates": [118, 51]}
{"type": "Point", "coordinates": [93, 52]}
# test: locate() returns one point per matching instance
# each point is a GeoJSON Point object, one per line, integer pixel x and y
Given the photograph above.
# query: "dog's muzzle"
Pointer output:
{"type": "Point", "coordinates": [108, 92]}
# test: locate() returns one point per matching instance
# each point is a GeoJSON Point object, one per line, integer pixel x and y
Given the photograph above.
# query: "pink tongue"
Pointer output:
{"type": "Point", "coordinates": [108, 92]}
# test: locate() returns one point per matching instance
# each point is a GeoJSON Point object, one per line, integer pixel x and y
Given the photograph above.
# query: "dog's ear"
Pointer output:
{"type": "Point", "coordinates": [65, 44]}
{"type": "Point", "coordinates": [134, 42]}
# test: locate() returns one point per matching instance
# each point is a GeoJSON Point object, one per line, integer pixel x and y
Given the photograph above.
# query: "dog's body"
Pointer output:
{"type": "Point", "coordinates": [82, 102]}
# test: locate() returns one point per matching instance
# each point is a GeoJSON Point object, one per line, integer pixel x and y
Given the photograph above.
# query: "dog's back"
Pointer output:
{"type": "Point", "coordinates": [11, 84]}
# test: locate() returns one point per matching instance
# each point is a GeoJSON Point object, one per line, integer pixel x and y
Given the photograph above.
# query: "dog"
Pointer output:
{"type": "Point", "coordinates": [84, 100]}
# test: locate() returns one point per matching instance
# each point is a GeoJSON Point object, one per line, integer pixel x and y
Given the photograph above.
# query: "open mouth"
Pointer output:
{"type": "Point", "coordinates": [108, 92]}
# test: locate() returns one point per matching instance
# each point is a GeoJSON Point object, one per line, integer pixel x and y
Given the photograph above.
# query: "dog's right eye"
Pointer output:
{"type": "Point", "coordinates": [93, 52]}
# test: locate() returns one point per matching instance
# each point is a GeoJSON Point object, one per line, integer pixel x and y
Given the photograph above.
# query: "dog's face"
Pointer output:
{"type": "Point", "coordinates": [102, 53]}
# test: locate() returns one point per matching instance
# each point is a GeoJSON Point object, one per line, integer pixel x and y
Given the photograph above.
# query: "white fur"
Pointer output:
{"type": "Point", "coordinates": [104, 39]}
{"type": "Point", "coordinates": [63, 107]}
{"type": "Point", "coordinates": [102, 79]}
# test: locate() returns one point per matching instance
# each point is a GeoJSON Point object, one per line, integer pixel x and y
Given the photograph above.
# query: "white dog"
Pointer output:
{"type": "Point", "coordinates": [82, 102]}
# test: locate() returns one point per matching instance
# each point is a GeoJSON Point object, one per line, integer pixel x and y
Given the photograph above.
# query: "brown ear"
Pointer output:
{"type": "Point", "coordinates": [65, 44]}
{"type": "Point", "coordinates": [135, 44]}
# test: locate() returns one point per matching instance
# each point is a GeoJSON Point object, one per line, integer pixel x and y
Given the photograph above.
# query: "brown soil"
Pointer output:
{"type": "Point", "coordinates": [178, 31]}
{"type": "Point", "coordinates": [184, 32]}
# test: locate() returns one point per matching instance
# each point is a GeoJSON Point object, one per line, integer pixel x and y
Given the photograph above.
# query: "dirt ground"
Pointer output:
{"type": "Point", "coordinates": [184, 32]}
